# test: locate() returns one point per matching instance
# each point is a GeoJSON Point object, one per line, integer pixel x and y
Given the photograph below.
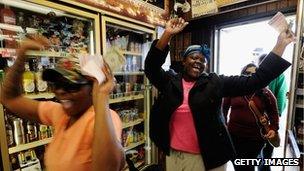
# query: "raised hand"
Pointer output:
{"type": "Point", "coordinates": [283, 40]}
{"type": "Point", "coordinates": [175, 25]}
{"type": "Point", "coordinates": [34, 43]}
{"type": "Point", "coordinates": [107, 86]}
{"type": "Point", "coordinates": [286, 37]}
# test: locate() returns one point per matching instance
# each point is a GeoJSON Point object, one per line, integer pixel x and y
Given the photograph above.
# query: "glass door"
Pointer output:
{"type": "Point", "coordinates": [124, 47]}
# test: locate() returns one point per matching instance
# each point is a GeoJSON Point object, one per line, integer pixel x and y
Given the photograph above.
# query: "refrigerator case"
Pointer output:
{"type": "Point", "coordinates": [69, 31]}
{"type": "Point", "coordinates": [124, 47]}
{"type": "Point", "coordinates": [294, 147]}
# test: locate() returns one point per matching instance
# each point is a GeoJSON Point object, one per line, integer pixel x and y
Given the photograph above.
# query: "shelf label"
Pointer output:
{"type": "Point", "coordinates": [8, 52]}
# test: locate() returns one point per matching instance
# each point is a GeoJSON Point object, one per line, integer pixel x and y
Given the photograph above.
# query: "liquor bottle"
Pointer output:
{"type": "Point", "coordinates": [21, 158]}
{"type": "Point", "coordinates": [14, 162]}
{"type": "Point", "coordinates": [43, 131]}
{"type": "Point", "coordinates": [41, 85]}
{"type": "Point", "coordinates": [28, 80]}
{"type": "Point", "coordinates": [31, 131]}
{"type": "Point", "coordinates": [9, 132]}
{"type": "Point", "coordinates": [18, 132]}
{"type": "Point", "coordinates": [33, 155]}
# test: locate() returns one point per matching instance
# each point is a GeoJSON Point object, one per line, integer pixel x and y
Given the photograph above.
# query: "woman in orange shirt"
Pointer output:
{"type": "Point", "coordinates": [84, 124]}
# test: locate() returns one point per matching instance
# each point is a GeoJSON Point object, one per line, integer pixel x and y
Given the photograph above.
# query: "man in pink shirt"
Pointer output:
{"type": "Point", "coordinates": [87, 132]}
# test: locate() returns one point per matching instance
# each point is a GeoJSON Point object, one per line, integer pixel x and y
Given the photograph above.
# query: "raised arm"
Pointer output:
{"type": "Point", "coordinates": [108, 154]}
{"type": "Point", "coordinates": [173, 27]}
{"type": "Point", "coordinates": [158, 52]}
{"type": "Point", "coordinates": [271, 67]}
{"type": "Point", "coordinates": [11, 95]}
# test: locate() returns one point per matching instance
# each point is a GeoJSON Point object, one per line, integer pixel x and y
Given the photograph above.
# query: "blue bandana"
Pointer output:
{"type": "Point", "coordinates": [198, 48]}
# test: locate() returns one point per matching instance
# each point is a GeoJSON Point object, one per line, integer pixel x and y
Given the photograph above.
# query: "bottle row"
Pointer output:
{"type": "Point", "coordinates": [133, 64]}
{"type": "Point", "coordinates": [131, 135]}
{"type": "Point", "coordinates": [137, 156]}
{"type": "Point", "coordinates": [64, 33]}
{"type": "Point", "coordinates": [122, 89]}
{"type": "Point", "coordinates": [20, 131]}
{"type": "Point", "coordinates": [128, 115]}
{"type": "Point", "coordinates": [26, 160]}
{"type": "Point", "coordinates": [125, 43]}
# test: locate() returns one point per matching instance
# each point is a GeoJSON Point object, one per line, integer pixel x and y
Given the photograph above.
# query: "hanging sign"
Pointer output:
{"type": "Point", "coordinates": [203, 7]}
{"type": "Point", "coordinates": [221, 3]}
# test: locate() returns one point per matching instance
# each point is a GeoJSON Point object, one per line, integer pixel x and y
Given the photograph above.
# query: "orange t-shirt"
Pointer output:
{"type": "Point", "coordinates": [71, 148]}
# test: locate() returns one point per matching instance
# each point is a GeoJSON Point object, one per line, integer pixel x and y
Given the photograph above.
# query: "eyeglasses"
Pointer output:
{"type": "Point", "coordinates": [68, 87]}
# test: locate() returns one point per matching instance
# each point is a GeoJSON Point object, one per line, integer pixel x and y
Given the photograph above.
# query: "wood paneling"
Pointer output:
{"type": "Point", "coordinates": [200, 29]}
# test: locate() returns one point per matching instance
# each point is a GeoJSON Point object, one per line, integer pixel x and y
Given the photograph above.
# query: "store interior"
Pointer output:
{"type": "Point", "coordinates": [122, 32]}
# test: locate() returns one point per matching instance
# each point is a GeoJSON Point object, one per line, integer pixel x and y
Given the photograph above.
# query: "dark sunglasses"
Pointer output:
{"type": "Point", "coordinates": [68, 87]}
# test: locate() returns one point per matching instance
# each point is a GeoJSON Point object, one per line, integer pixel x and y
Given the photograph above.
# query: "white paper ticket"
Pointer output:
{"type": "Point", "coordinates": [279, 22]}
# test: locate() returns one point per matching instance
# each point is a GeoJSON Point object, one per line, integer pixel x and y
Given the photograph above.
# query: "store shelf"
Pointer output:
{"type": "Point", "coordinates": [16, 28]}
{"type": "Point", "coordinates": [133, 145]}
{"type": "Point", "coordinates": [299, 105]}
{"type": "Point", "coordinates": [29, 145]}
{"type": "Point", "coordinates": [40, 96]}
{"type": "Point", "coordinates": [300, 91]}
{"type": "Point", "coordinates": [129, 124]}
{"type": "Point", "coordinates": [7, 52]}
{"type": "Point", "coordinates": [129, 73]}
{"type": "Point", "coordinates": [47, 54]}
{"type": "Point", "coordinates": [127, 98]}
{"type": "Point", "coordinates": [139, 163]}
{"type": "Point", "coordinates": [131, 53]}
{"type": "Point", "coordinates": [293, 144]}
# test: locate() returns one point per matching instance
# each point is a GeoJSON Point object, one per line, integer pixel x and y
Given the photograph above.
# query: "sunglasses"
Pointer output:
{"type": "Point", "coordinates": [68, 87]}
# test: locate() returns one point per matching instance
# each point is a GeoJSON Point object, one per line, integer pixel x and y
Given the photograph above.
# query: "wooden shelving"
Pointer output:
{"type": "Point", "coordinates": [116, 100]}
{"type": "Point", "coordinates": [133, 145]}
{"type": "Point", "coordinates": [16, 28]}
{"type": "Point", "coordinates": [131, 53]}
{"type": "Point", "coordinates": [30, 145]}
{"type": "Point", "coordinates": [129, 124]}
{"type": "Point", "coordinates": [300, 91]}
{"type": "Point", "coordinates": [299, 105]}
{"type": "Point", "coordinates": [6, 52]}
{"type": "Point", "coordinates": [127, 98]}
{"type": "Point", "coordinates": [40, 96]}
{"type": "Point", "coordinates": [129, 73]}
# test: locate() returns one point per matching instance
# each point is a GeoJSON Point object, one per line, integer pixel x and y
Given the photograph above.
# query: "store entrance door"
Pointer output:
{"type": "Point", "coordinates": [238, 45]}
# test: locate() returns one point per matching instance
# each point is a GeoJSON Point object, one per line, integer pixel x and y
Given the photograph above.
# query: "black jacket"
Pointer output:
{"type": "Point", "coordinates": [205, 103]}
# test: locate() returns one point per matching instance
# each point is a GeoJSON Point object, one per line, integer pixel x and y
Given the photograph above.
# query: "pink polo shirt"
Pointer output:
{"type": "Point", "coordinates": [182, 130]}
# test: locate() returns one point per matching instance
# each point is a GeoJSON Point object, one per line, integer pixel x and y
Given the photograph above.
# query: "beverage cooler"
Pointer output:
{"type": "Point", "coordinates": [294, 147]}
{"type": "Point", "coordinates": [124, 47]}
{"type": "Point", "coordinates": [70, 31]}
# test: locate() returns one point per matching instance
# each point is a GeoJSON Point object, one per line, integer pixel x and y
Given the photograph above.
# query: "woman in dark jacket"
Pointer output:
{"type": "Point", "coordinates": [186, 120]}
{"type": "Point", "coordinates": [244, 126]}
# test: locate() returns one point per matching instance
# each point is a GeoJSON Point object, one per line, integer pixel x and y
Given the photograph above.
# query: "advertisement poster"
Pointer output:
{"type": "Point", "coordinates": [203, 7]}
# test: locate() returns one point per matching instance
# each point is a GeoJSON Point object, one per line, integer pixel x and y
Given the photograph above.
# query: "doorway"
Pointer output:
{"type": "Point", "coordinates": [240, 44]}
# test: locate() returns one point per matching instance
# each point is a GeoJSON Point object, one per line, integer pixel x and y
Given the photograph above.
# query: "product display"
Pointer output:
{"type": "Point", "coordinates": [24, 131]}
{"type": "Point", "coordinates": [130, 94]}
{"type": "Point", "coordinates": [68, 31]}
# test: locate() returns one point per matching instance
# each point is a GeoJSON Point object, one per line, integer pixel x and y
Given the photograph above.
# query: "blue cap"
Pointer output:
{"type": "Point", "coordinates": [198, 48]}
